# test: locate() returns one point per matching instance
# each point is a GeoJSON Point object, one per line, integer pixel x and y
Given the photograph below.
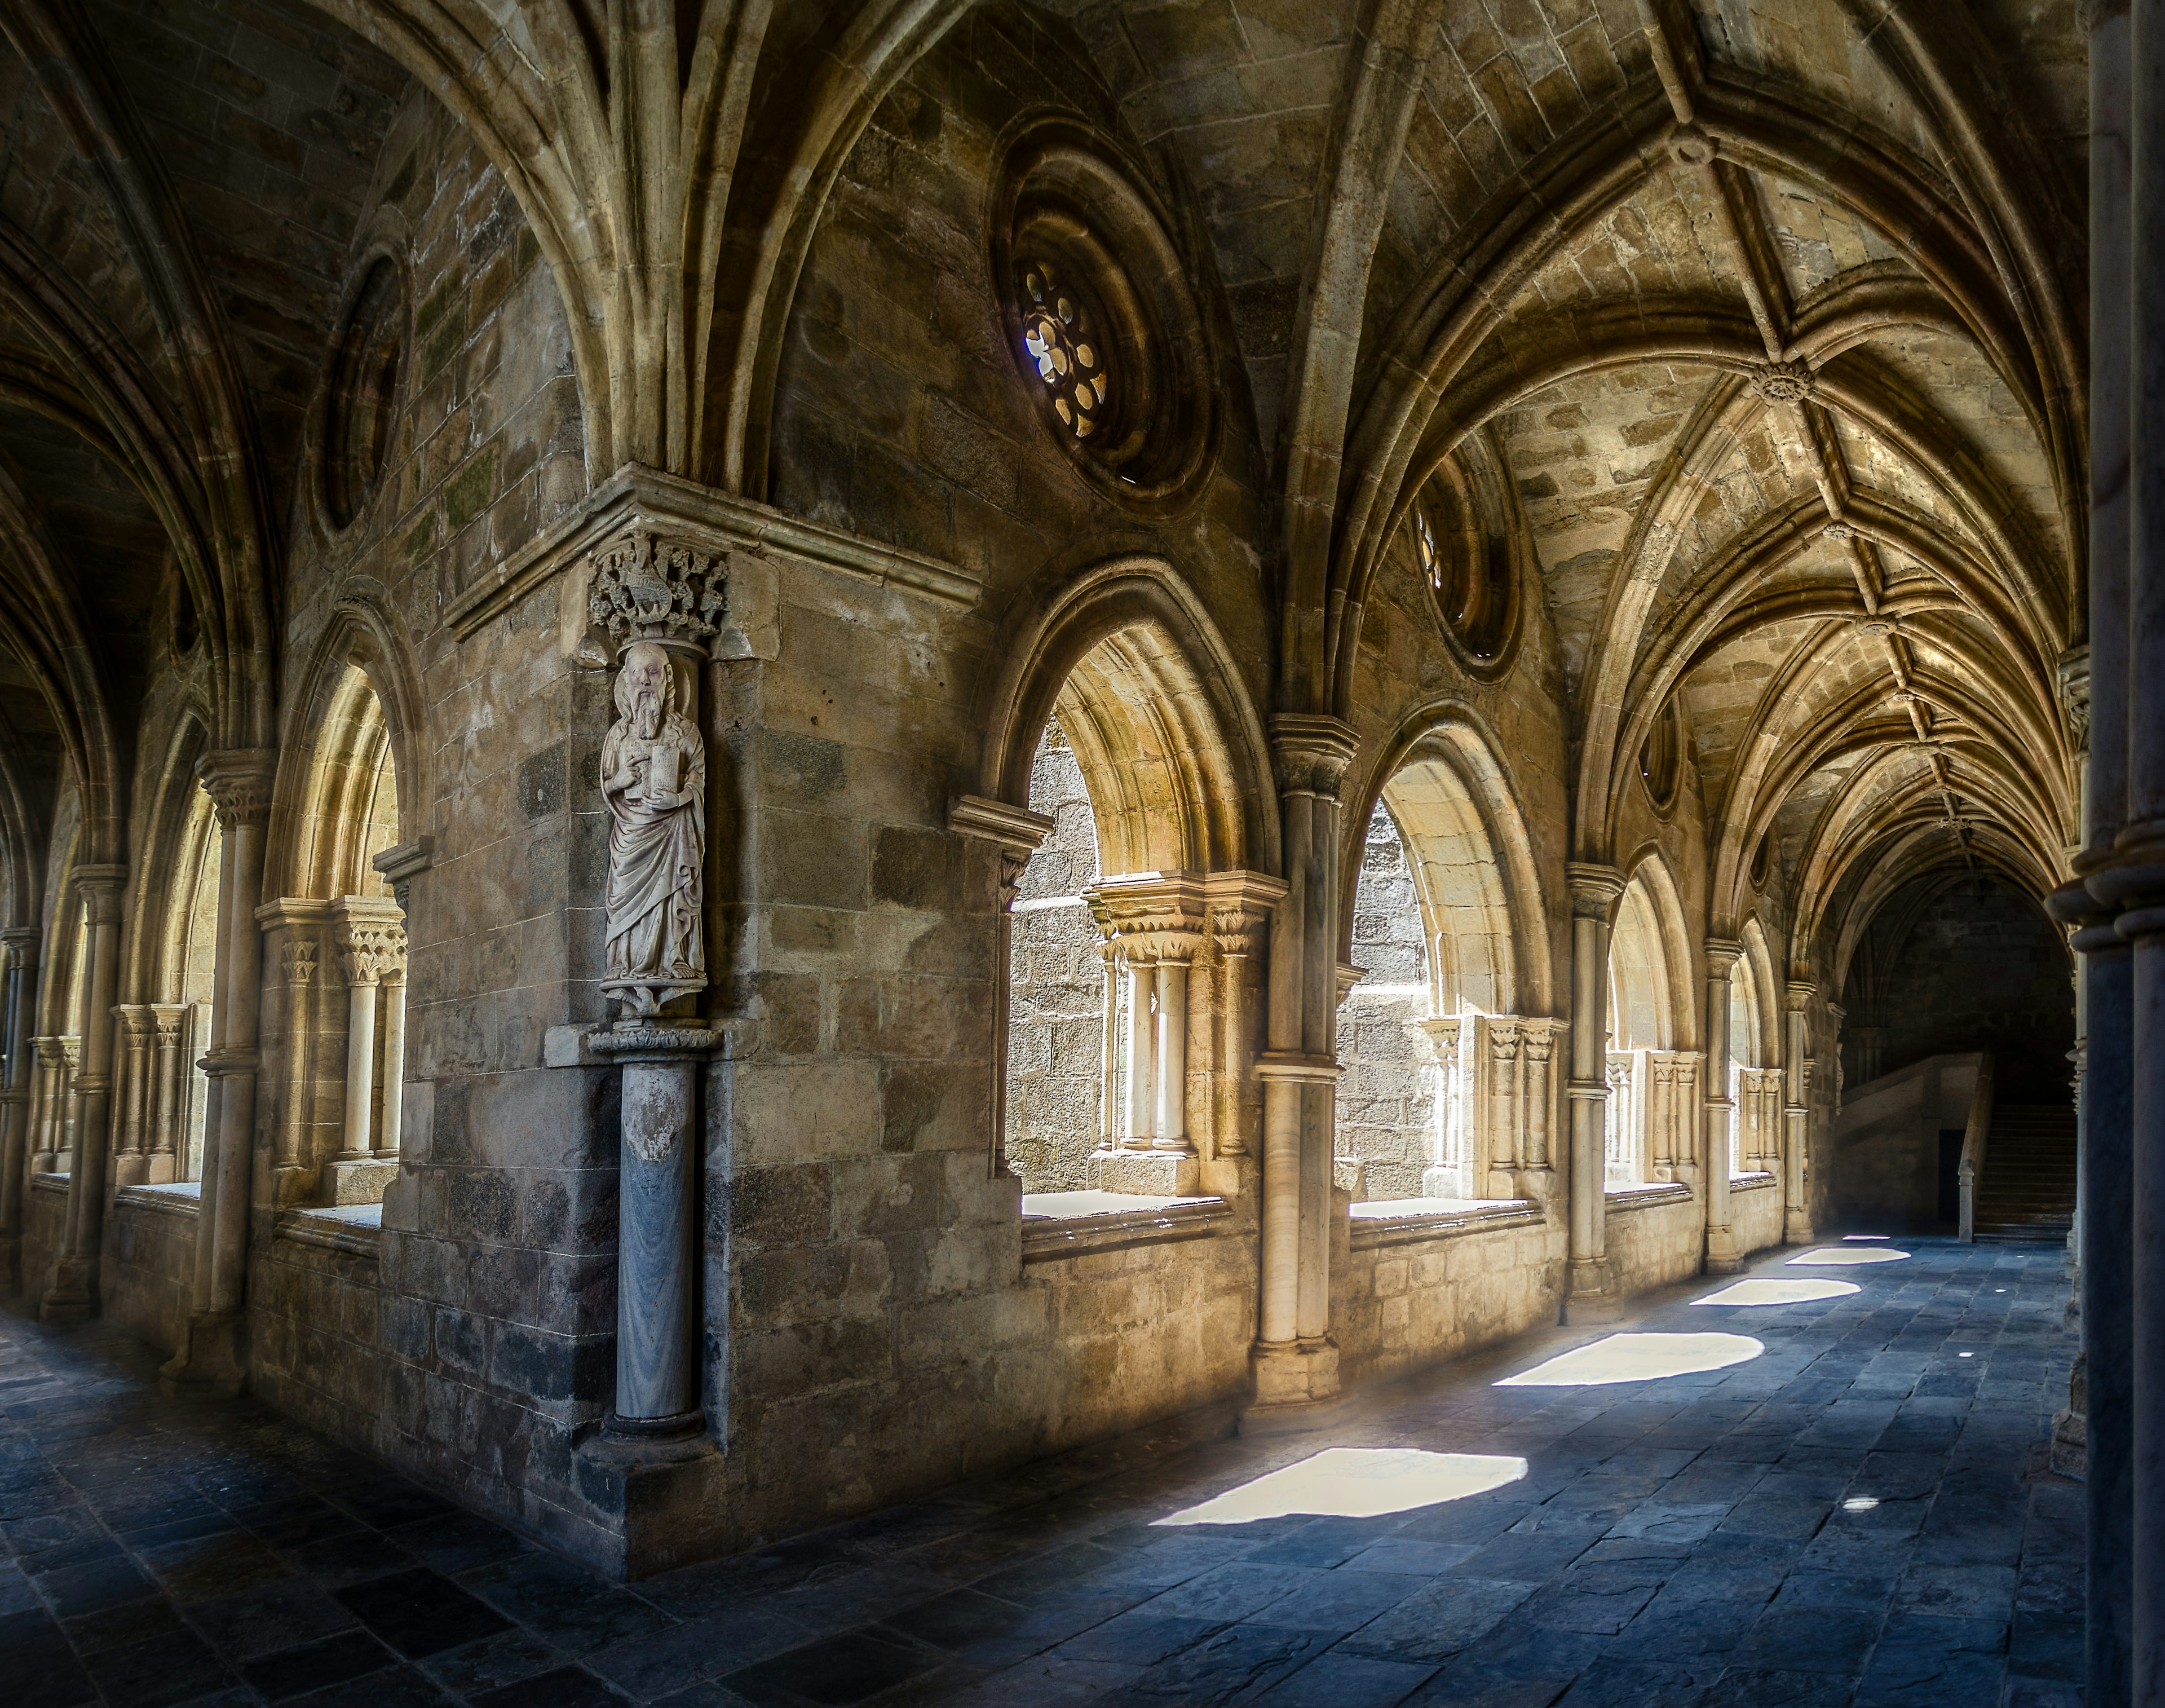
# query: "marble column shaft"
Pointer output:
{"type": "Point", "coordinates": [391, 1116]}
{"type": "Point", "coordinates": [657, 1373]}
{"type": "Point", "coordinates": [1142, 1055]}
{"type": "Point", "coordinates": [1171, 1132]}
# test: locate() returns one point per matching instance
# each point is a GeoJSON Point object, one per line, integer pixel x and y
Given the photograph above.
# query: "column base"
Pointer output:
{"type": "Point", "coordinates": [664, 1498]}
{"type": "Point", "coordinates": [11, 1260]}
{"type": "Point", "coordinates": [211, 1364]}
{"type": "Point", "coordinates": [358, 1179]}
{"type": "Point", "coordinates": [71, 1296]}
{"type": "Point", "coordinates": [1721, 1258]}
{"type": "Point", "coordinates": [1155, 1174]}
{"type": "Point", "coordinates": [1296, 1388]}
{"type": "Point", "coordinates": [132, 1169]}
{"type": "Point", "coordinates": [2071, 1427]}
{"type": "Point", "coordinates": [1796, 1229]}
{"type": "Point", "coordinates": [1593, 1297]}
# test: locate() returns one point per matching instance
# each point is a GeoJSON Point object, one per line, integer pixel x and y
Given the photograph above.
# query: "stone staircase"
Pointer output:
{"type": "Point", "coordinates": [2027, 1190]}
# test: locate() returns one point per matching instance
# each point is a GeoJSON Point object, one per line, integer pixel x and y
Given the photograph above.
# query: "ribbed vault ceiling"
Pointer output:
{"type": "Point", "coordinates": [1773, 311]}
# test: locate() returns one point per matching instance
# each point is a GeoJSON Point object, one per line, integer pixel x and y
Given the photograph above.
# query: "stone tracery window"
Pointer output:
{"type": "Point", "coordinates": [1099, 314]}
{"type": "Point", "coordinates": [1063, 338]}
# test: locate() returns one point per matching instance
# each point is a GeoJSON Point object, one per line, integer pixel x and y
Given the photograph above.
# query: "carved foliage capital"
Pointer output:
{"type": "Point", "coordinates": [239, 781]}
{"type": "Point", "coordinates": [1541, 1034]}
{"type": "Point", "coordinates": [1241, 905]}
{"type": "Point", "coordinates": [1151, 920]}
{"type": "Point", "coordinates": [373, 951]}
{"type": "Point", "coordinates": [649, 586]}
{"type": "Point", "coordinates": [1311, 753]}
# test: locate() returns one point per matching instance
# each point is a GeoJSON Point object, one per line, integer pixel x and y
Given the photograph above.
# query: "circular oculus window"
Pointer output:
{"type": "Point", "coordinates": [1099, 315]}
{"type": "Point", "coordinates": [1660, 757]}
{"type": "Point", "coordinates": [363, 394]}
{"type": "Point", "coordinates": [1471, 575]}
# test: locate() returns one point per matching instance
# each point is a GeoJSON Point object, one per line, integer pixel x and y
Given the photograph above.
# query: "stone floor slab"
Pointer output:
{"type": "Point", "coordinates": [1854, 1516]}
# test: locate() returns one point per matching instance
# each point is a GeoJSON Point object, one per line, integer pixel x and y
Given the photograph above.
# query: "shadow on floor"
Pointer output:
{"type": "Point", "coordinates": [1856, 1513]}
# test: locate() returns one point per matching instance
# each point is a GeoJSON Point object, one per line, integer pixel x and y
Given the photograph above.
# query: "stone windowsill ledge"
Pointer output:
{"type": "Point", "coordinates": [1647, 1196]}
{"type": "Point", "coordinates": [1396, 1221]}
{"type": "Point", "coordinates": [180, 1198]}
{"type": "Point", "coordinates": [1752, 1180]}
{"type": "Point", "coordinates": [49, 1182]}
{"type": "Point", "coordinates": [1069, 1224]}
{"type": "Point", "coordinates": [355, 1229]}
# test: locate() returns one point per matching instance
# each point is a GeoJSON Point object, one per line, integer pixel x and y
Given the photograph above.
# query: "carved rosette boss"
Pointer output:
{"type": "Point", "coordinates": [660, 601]}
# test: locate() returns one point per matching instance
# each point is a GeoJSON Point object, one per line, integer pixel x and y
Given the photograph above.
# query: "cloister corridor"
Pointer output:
{"type": "Point", "coordinates": [1861, 1512]}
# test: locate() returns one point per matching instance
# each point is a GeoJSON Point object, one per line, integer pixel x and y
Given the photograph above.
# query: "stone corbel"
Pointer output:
{"type": "Point", "coordinates": [401, 864]}
{"type": "Point", "coordinates": [1016, 832]}
{"type": "Point", "coordinates": [711, 520]}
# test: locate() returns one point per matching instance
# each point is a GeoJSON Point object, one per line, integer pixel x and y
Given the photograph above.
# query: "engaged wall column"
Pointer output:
{"type": "Point", "coordinates": [1721, 957]}
{"type": "Point", "coordinates": [73, 1292]}
{"type": "Point", "coordinates": [239, 782]}
{"type": "Point", "coordinates": [1014, 833]}
{"type": "Point", "coordinates": [1296, 1363]}
{"type": "Point", "coordinates": [1589, 1296]}
{"type": "Point", "coordinates": [1796, 1113]}
{"type": "Point", "coordinates": [20, 997]}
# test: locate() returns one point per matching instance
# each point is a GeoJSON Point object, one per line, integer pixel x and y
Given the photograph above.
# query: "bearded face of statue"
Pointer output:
{"type": "Point", "coordinates": [642, 689]}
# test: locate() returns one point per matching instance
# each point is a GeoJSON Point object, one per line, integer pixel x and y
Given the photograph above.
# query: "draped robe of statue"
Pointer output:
{"type": "Point", "coordinates": [657, 843]}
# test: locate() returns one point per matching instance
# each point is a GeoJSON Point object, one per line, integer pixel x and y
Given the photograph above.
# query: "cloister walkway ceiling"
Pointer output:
{"type": "Point", "coordinates": [1771, 313]}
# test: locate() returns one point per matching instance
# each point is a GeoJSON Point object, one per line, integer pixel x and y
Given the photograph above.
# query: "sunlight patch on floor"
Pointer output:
{"type": "Point", "coordinates": [1864, 1236]}
{"type": "Point", "coordinates": [1638, 1358]}
{"type": "Point", "coordinates": [1357, 1483]}
{"type": "Point", "coordinates": [1797, 1292]}
{"type": "Point", "coordinates": [1850, 1254]}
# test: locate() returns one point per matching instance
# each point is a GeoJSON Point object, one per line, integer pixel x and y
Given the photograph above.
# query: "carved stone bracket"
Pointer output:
{"type": "Point", "coordinates": [1016, 832]}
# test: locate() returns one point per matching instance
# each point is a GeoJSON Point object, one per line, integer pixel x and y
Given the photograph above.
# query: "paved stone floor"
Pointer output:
{"type": "Point", "coordinates": [1860, 1513]}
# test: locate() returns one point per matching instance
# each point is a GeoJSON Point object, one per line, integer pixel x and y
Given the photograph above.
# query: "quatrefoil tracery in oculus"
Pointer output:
{"type": "Point", "coordinates": [1057, 331]}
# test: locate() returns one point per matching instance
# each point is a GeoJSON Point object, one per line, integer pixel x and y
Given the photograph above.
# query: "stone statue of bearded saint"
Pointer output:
{"type": "Point", "coordinates": [654, 778]}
